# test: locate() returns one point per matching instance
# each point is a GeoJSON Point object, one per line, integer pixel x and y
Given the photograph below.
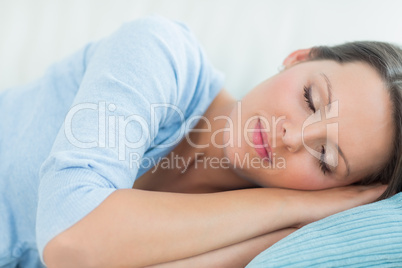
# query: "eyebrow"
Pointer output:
{"type": "Point", "coordinates": [329, 92]}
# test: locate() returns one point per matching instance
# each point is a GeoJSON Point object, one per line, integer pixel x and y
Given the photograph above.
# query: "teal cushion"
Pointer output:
{"type": "Point", "coordinates": [365, 236]}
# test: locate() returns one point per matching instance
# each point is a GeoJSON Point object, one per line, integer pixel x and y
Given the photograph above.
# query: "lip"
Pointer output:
{"type": "Point", "coordinates": [260, 139]}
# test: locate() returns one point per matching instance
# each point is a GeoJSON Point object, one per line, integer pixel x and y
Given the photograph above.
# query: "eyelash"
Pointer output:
{"type": "Point", "coordinates": [307, 97]}
{"type": "Point", "coordinates": [322, 164]}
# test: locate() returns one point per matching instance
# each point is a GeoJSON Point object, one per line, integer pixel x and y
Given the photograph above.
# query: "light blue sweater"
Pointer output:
{"type": "Point", "coordinates": [107, 96]}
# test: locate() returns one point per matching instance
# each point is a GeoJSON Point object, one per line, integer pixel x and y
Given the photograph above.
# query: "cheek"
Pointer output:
{"type": "Point", "coordinates": [302, 174]}
{"type": "Point", "coordinates": [286, 97]}
{"type": "Point", "coordinates": [285, 85]}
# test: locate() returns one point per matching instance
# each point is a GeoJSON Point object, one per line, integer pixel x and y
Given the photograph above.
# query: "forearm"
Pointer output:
{"type": "Point", "coordinates": [237, 255]}
{"type": "Point", "coordinates": [140, 228]}
{"type": "Point", "coordinates": [137, 228]}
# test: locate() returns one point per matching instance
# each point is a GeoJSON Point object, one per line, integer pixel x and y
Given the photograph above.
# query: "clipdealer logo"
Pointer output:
{"type": "Point", "coordinates": [112, 129]}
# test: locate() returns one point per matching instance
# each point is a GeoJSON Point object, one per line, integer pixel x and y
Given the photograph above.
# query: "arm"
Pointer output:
{"type": "Point", "coordinates": [237, 255]}
{"type": "Point", "coordinates": [138, 228]}
{"type": "Point", "coordinates": [113, 121]}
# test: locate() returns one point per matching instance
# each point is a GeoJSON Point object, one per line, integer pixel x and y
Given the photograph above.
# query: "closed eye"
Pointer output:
{"type": "Point", "coordinates": [324, 167]}
{"type": "Point", "coordinates": [307, 98]}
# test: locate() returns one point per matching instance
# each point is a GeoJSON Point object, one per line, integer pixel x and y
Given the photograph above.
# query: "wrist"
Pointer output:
{"type": "Point", "coordinates": [281, 208]}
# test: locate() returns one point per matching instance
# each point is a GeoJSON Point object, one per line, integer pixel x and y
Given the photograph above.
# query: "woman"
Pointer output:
{"type": "Point", "coordinates": [97, 121]}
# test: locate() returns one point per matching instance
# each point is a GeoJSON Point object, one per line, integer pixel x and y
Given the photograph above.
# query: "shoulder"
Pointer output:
{"type": "Point", "coordinates": [158, 23]}
{"type": "Point", "coordinates": [153, 41]}
{"type": "Point", "coordinates": [158, 28]}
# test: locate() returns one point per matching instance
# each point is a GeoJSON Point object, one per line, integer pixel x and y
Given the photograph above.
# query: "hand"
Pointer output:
{"type": "Point", "coordinates": [315, 205]}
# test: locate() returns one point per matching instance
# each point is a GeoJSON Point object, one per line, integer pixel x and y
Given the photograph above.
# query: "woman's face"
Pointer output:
{"type": "Point", "coordinates": [352, 136]}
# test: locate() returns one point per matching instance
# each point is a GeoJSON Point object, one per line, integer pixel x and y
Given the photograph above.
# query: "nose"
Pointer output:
{"type": "Point", "coordinates": [294, 136]}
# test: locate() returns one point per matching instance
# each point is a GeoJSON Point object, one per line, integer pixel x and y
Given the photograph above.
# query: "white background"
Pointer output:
{"type": "Point", "coordinates": [246, 39]}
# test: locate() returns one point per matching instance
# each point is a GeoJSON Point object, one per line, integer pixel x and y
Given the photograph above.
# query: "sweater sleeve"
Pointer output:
{"type": "Point", "coordinates": [145, 62]}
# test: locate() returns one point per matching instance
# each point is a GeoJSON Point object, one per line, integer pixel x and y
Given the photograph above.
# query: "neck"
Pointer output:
{"type": "Point", "coordinates": [208, 167]}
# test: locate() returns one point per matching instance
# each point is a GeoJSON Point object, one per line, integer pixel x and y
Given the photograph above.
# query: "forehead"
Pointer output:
{"type": "Point", "coordinates": [365, 126]}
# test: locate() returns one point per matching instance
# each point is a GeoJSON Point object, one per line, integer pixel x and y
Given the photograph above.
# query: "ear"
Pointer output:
{"type": "Point", "coordinates": [296, 56]}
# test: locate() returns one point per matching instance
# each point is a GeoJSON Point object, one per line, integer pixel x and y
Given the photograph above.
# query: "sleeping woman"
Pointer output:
{"type": "Point", "coordinates": [130, 152]}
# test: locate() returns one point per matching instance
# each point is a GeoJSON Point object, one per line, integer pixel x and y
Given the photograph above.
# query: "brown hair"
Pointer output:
{"type": "Point", "coordinates": [386, 58]}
